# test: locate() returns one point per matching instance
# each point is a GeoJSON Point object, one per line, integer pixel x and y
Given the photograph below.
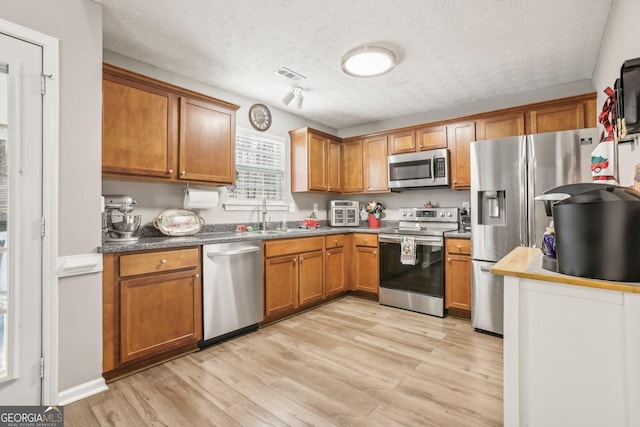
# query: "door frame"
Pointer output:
{"type": "Point", "coordinates": [50, 166]}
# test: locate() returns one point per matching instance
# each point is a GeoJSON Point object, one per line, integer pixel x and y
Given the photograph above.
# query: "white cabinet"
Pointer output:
{"type": "Point", "coordinates": [571, 355]}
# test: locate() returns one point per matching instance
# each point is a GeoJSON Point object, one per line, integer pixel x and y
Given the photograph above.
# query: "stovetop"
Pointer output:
{"type": "Point", "coordinates": [425, 221]}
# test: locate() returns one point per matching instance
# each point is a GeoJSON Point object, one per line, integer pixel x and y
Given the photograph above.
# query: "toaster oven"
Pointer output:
{"type": "Point", "coordinates": [344, 213]}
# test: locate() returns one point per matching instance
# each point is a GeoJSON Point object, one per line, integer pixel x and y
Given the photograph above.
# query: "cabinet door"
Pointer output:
{"type": "Point", "coordinates": [431, 137]}
{"type": "Point", "coordinates": [556, 118]}
{"type": "Point", "coordinates": [207, 142]}
{"type": "Point", "coordinates": [366, 269]}
{"type": "Point", "coordinates": [317, 159]}
{"type": "Point", "coordinates": [500, 126]}
{"type": "Point", "coordinates": [459, 138]}
{"type": "Point", "coordinates": [458, 282]}
{"type": "Point", "coordinates": [374, 154]}
{"type": "Point", "coordinates": [159, 313]}
{"type": "Point", "coordinates": [335, 277]}
{"type": "Point", "coordinates": [139, 125]}
{"type": "Point", "coordinates": [281, 284]}
{"type": "Point", "coordinates": [333, 165]}
{"type": "Point", "coordinates": [402, 142]}
{"type": "Point", "coordinates": [310, 277]}
{"type": "Point", "coordinates": [352, 166]}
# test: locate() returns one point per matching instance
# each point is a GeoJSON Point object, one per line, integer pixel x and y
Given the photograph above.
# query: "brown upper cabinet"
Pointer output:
{"type": "Point", "coordinates": [402, 142]}
{"type": "Point", "coordinates": [424, 138]}
{"type": "Point", "coordinates": [459, 138]}
{"type": "Point", "coordinates": [374, 159]}
{"type": "Point", "coordinates": [315, 161]}
{"type": "Point", "coordinates": [431, 137]}
{"type": "Point", "coordinates": [560, 116]}
{"type": "Point", "coordinates": [155, 131]}
{"type": "Point", "coordinates": [352, 176]}
{"type": "Point", "coordinates": [362, 159]}
{"type": "Point", "coordinates": [500, 126]}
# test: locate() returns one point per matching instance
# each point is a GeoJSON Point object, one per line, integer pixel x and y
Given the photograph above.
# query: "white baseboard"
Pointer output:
{"type": "Point", "coordinates": [81, 391]}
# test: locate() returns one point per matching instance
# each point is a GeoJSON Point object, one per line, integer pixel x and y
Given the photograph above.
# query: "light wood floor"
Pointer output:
{"type": "Point", "coordinates": [348, 363]}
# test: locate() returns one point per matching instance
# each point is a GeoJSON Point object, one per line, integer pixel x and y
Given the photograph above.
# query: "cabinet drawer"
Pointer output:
{"type": "Point", "coordinates": [361, 239]}
{"type": "Point", "coordinates": [159, 261]}
{"type": "Point", "coordinates": [458, 246]}
{"type": "Point", "coordinates": [293, 246]}
{"type": "Point", "coordinates": [334, 241]}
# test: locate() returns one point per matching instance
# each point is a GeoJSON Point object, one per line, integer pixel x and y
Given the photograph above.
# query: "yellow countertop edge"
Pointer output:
{"type": "Point", "coordinates": [518, 261]}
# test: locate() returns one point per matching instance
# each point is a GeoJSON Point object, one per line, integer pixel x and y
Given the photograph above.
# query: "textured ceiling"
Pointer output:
{"type": "Point", "coordinates": [450, 51]}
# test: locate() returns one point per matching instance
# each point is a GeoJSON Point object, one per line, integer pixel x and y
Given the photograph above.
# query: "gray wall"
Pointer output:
{"type": "Point", "coordinates": [77, 24]}
{"type": "Point", "coordinates": [620, 42]}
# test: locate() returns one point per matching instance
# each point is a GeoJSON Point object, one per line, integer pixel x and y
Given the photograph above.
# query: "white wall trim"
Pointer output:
{"type": "Point", "coordinates": [81, 391]}
{"type": "Point", "coordinates": [75, 265]}
{"type": "Point", "coordinates": [50, 144]}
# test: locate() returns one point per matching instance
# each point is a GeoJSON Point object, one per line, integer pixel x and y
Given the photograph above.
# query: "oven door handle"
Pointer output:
{"type": "Point", "coordinates": [421, 240]}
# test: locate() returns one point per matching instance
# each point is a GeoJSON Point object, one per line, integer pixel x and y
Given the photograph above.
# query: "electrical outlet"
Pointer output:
{"type": "Point", "coordinates": [292, 208]}
{"type": "Point", "coordinates": [315, 207]}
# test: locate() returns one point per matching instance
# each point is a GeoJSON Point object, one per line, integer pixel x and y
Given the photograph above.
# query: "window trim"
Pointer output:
{"type": "Point", "coordinates": [232, 204]}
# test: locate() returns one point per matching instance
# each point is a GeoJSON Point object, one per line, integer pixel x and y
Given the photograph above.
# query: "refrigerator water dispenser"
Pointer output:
{"type": "Point", "coordinates": [492, 207]}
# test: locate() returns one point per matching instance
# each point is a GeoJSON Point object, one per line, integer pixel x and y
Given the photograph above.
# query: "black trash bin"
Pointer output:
{"type": "Point", "coordinates": [598, 234]}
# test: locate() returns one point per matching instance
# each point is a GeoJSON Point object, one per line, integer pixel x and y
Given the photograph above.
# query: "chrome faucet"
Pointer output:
{"type": "Point", "coordinates": [264, 213]}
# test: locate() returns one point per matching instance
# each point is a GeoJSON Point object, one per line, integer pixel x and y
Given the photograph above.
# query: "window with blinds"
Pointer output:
{"type": "Point", "coordinates": [260, 166]}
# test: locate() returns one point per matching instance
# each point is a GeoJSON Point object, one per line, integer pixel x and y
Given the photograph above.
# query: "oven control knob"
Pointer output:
{"type": "Point", "coordinates": [450, 213]}
{"type": "Point", "coordinates": [441, 214]}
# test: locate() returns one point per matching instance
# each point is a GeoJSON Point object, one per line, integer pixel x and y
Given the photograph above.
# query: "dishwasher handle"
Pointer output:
{"type": "Point", "coordinates": [242, 251]}
{"type": "Point", "coordinates": [485, 269]}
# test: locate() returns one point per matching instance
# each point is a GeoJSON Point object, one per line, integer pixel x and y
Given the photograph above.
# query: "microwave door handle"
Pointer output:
{"type": "Point", "coordinates": [433, 168]}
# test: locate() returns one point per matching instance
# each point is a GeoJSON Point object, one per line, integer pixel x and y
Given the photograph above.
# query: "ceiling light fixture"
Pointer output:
{"type": "Point", "coordinates": [368, 61]}
{"type": "Point", "coordinates": [294, 92]}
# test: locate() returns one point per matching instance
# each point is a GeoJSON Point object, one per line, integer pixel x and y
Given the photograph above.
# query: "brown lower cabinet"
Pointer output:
{"type": "Point", "coordinates": [366, 277]}
{"type": "Point", "coordinates": [293, 275]}
{"type": "Point", "coordinates": [302, 272]}
{"type": "Point", "coordinates": [458, 276]}
{"type": "Point", "coordinates": [335, 265]}
{"type": "Point", "coordinates": [152, 308]}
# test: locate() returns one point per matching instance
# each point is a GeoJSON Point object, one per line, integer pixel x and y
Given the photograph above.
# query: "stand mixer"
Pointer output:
{"type": "Point", "coordinates": [118, 225]}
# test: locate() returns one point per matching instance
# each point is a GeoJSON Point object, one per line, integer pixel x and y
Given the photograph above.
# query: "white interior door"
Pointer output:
{"type": "Point", "coordinates": [20, 222]}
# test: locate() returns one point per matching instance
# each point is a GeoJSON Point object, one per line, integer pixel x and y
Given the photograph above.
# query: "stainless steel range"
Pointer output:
{"type": "Point", "coordinates": [416, 282]}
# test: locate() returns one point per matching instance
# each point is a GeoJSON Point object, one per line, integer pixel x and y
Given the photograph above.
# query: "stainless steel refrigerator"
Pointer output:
{"type": "Point", "coordinates": [506, 174]}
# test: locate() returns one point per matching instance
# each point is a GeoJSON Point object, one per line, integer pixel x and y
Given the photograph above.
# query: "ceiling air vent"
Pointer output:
{"type": "Point", "coordinates": [289, 74]}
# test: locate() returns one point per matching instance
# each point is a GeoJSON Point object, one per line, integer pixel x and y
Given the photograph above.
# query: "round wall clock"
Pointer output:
{"type": "Point", "coordinates": [260, 117]}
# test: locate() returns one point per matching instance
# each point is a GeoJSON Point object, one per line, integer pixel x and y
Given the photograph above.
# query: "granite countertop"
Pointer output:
{"type": "Point", "coordinates": [206, 238]}
{"type": "Point", "coordinates": [526, 263]}
{"type": "Point", "coordinates": [458, 234]}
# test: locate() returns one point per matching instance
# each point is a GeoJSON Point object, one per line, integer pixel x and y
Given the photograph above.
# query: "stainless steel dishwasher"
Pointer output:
{"type": "Point", "coordinates": [232, 292]}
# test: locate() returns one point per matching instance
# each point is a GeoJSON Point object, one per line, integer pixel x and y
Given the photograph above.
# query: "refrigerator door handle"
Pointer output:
{"type": "Point", "coordinates": [533, 164]}
{"type": "Point", "coordinates": [522, 182]}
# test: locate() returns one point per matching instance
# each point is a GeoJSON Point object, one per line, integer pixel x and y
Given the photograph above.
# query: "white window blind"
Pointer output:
{"type": "Point", "coordinates": [260, 166]}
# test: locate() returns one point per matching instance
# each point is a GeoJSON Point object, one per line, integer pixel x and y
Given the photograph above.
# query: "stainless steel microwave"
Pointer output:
{"type": "Point", "coordinates": [417, 170]}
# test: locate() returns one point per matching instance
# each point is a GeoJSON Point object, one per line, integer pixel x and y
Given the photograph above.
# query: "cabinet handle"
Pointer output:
{"type": "Point", "coordinates": [335, 242]}
{"type": "Point", "coordinates": [170, 171]}
{"type": "Point", "coordinates": [459, 246]}
{"type": "Point", "coordinates": [449, 259]}
{"type": "Point", "coordinates": [197, 276]}
{"type": "Point", "coordinates": [374, 253]}
{"type": "Point", "coordinates": [364, 240]}
{"type": "Point", "coordinates": [294, 260]}
{"type": "Point", "coordinates": [301, 259]}
{"type": "Point", "coordinates": [164, 261]}
{"type": "Point", "coordinates": [328, 253]}
{"type": "Point", "coordinates": [360, 188]}
{"type": "Point", "coordinates": [183, 173]}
